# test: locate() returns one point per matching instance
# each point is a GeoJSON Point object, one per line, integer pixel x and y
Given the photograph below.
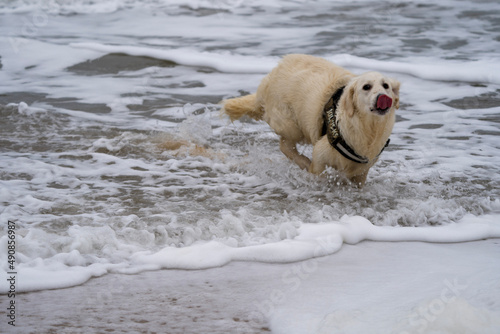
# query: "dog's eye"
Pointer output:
{"type": "Point", "coordinates": [386, 86]}
{"type": "Point", "coordinates": [367, 87]}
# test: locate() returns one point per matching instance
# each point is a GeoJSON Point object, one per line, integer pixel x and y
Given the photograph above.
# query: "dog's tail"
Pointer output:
{"type": "Point", "coordinates": [240, 106]}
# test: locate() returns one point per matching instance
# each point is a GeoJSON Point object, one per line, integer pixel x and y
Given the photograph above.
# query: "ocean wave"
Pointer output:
{"type": "Point", "coordinates": [475, 71]}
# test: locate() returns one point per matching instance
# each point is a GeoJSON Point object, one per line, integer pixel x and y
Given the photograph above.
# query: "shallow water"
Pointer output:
{"type": "Point", "coordinates": [84, 170]}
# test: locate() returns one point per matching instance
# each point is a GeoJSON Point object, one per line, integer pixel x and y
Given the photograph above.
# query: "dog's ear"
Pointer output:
{"type": "Point", "coordinates": [348, 104]}
{"type": "Point", "coordinates": [395, 89]}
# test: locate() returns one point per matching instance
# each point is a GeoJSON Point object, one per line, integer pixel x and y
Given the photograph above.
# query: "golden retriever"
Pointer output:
{"type": "Point", "coordinates": [306, 99]}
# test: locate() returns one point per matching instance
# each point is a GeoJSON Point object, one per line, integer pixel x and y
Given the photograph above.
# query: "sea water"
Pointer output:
{"type": "Point", "coordinates": [90, 92]}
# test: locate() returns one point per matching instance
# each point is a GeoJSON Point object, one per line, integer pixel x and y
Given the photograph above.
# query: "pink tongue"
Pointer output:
{"type": "Point", "coordinates": [384, 102]}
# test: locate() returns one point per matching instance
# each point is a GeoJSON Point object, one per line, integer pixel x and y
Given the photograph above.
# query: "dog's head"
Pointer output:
{"type": "Point", "coordinates": [373, 93]}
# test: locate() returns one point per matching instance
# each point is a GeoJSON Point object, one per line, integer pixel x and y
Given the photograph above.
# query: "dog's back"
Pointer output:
{"type": "Point", "coordinates": [295, 93]}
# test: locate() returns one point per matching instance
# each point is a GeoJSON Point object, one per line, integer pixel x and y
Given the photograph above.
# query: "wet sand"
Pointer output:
{"type": "Point", "coordinates": [166, 301]}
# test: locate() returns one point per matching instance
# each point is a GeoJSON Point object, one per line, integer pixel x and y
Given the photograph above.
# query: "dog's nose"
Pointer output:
{"type": "Point", "coordinates": [384, 102]}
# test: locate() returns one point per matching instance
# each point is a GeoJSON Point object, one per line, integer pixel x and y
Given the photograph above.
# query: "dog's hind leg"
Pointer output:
{"type": "Point", "coordinates": [289, 149]}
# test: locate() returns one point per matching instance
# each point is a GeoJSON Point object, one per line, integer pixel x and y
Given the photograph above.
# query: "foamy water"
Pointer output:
{"type": "Point", "coordinates": [90, 91]}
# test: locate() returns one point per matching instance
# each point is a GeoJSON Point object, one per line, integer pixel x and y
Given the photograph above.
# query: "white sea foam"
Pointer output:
{"type": "Point", "coordinates": [76, 264]}
{"type": "Point", "coordinates": [319, 240]}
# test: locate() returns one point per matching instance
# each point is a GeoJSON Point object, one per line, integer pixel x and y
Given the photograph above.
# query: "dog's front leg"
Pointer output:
{"type": "Point", "coordinates": [359, 180]}
{"type": "Point", "coordinates": [322, 156]}
{"type": "Point", "coordinates": [289, 149]}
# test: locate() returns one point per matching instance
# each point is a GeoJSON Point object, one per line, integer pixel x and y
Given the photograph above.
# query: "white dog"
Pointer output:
{"type": "Point", "coordinates": [306, 99]}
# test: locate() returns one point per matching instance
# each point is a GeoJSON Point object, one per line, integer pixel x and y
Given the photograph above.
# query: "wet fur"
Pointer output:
{"type": "Point", "coordinates": [291, 99]}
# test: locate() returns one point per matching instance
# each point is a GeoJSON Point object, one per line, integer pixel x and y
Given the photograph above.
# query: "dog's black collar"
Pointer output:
{"type": "Point", "coordinates": [331, 130]}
